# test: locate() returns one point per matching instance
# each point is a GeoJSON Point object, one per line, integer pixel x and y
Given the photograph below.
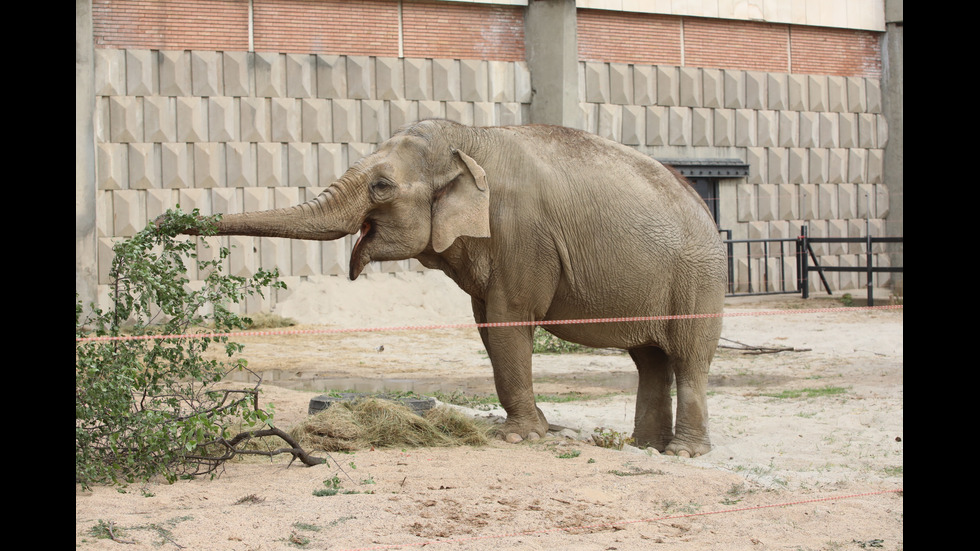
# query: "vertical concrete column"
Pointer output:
{"type": "Point", "coordinates": [552, 58]}
{"type": "Point", "coordinates": [893, 103]}
{"type": "Point", "coordinates": [86, 268]}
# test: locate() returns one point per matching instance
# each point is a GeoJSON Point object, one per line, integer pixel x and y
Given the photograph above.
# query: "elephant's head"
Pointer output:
{"type": "Point", "coordinates": [418, 192]}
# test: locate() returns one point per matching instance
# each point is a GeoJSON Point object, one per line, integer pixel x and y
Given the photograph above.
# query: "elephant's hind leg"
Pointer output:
{"type": "Point", "coordinates": [654, 421]}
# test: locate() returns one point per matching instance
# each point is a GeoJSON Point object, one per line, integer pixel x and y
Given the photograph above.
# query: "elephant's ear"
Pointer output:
{"type": "Point", "coordinates": [463, 206]}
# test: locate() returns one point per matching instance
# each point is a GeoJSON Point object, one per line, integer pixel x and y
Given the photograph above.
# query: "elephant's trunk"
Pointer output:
{"type": "Point", "coordinates": [330, 215]}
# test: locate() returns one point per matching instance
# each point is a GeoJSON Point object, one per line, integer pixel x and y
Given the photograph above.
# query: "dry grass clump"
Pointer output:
{"type": "Point", "coordinates": [378, 423]}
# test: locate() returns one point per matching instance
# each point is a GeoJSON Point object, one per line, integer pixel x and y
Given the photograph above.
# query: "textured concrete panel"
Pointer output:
{"type": "Point", "coordinates": [819, 166]}
{"type": "Point", "coordinates": [159, 119]}
{"type": "Point", "coordinates": [726, 125]}
{"type": "Point", "coordinates": [286, 119]}
{"type": "Point", "coordinates": [112, 166]}
{"type": "Point", "coordinates": [590, 116]}
{"type": "Point", "coordinates": [644, 85]}
{"type": "Point", "coordinates": [657, 123]}
{"type": "Point", "coordinates": [857, 166]}
{"type": "Point", "coordinates": [768, 200]}
{"type": "Point", "coordinates": [817, 228]}
{"type": "Point", "coordinates": [269, 159]}
{"type": "Point", "coordinates": [159, 201]}
{"type": "Point", "coordinates": [140, 65]}
{"type": "Point", "coordinates": [474, 81]}
{"type": "Point", "coordinates": [190, 199]}
{"type": "Point", "coordinates": [175, 73]}
{"type": "Point", "coordinates": [105, 255]}
{"type": "Point", "coordinates": [418, 79]}
{"type": "Point", "coordinates": [634, 125]}
{"type": "Point", "coordinates": [837, 166]}
{"type": "Point", "coordinates": [357, 151]}
{"type": "Point", "coordinates": [668, 86]}
{"type": "Point", "coordinates": [747, 203]}
{"type": "Point", "coordinates": [334, 256]}
{"type": "Point", "coordinates": [209, 165]}
{"type": "Point", "coordinates": [867, 130]}
{"type": "Point", "coordinates": [817, 91]}
{"type": "Point", "coordinates": [789, 129]}
{"type": "Point", "coordinates": [829, 129]}
{"type": "Point", "coordinates": [873, 91]}
{"type": "Point", "coordinates": [827, 201]}
{"type": "Point", "coordinates": [522, 83]}
{"type": "Point", "coordinates": [240, 164]}
{"type": "Point", "coordinates": [758, 161]}
{"type": "Point", "coordinates": [808, 202]}
{"type": "Point", "coordinates": [445, 80]}
{"type": "Point", "coordinates": [847, 200]}
{"type": "Point", "coordinates": [511, 113]}
{"type": "Point", "coordinates": [226, 200]}
{"type": "Point", "coordinates": [331, 76]}
{"type": "Point", "coordinates": [242, 262]}
{"type": "Point", "coordinates": [836, 94]}
{"type": "Point", "coordinates": [857, 97]}
{"type": "Point", "coordinates": [316, 120]}
{"type": "Point", "coordinates": [767, 127]}
{"type": "Point", "coordinates": [881, 124]}
{"type": "Point", "coordinates": [274, 254]}
{"type": "Point", "coordinates": [596, 82]}
{"type": "Point", "coordinates": [256, 120]}
{"type": "Point", "coordinates": [484, 114]}
{"type": "Point", "coordinates": [778, 166]}
{"type": "Point", "coordinates": [691, 93]}
{"type": "Point", "coordinates": [110, 72]}
{"type": "Point", "coordinates": [430, 109]}
{"type": "Point", "coordinates": [374, 121]}
{"type": "Point", "coordinates": [125, 119]}
{"type": "Point", "coordinates": [798, 165]}
{"type": "Point", "coordinates": [237, 80]}
{"type": "Point", "coordinates": [848, 128]}
{"type": "Point", "coordinates": [330, 163]}
{"type": "Point", "coordinates": [192, 124]}
{"type": "Point", "coordinates": [865, 201]}
{"type": "Point", "coordinates": [789, 202]}
{"type": "Point", "coordinates": [702, 126]}
{"type": "Point", "coordinates": [777, 91]}
{"type": "Point", "coordinates": [300, 71]}
{"type": "Point", "coordinates": [797, 92]}
{"type": "Point", "coordinates": [876, 166]}
{"type": "Point", "coordinates": [223, 119]}
{"type": "Point", "coordinates": [734, 83]}
{"type": "Point", "coordinates": [610, 123]}
{"type": "Point", "coordinates": [402, 112]}
{"type": "Point", "coordinates": [809, 129]}
{"type": "Point", "coordinates": [360, 77]}
{"type": "Point", "coordinates": [127, 216]}
{"type": "Point", "coordinates": [206, 73]}
{"type": "Point", "coordinates": [757, 230]}
{"type": "Point", "coordinates": [144, 166]}
{"type": "Point", "coordinates": [620, 84]}
{"type": "Point", "coordinates": [881, 201]}
{"type": "Point", "coordinates": [256, 198]}
{"type": "Point", "coordinates": [302, 165]}
{"type": "Point", "coordinates": [270, 75]}
{"type": "Point", "coordinates": [501, 81]}
{"type": "Point", "coordinates": [304, 257]}
{"type": "Point", "coordinates": [755, 90]}
{"type": "Point", "coordinates": [679, 126]}
{"type": "Point", "coordinates": [389, 78]}
{"type": "Point", "coordinates": [838, 229]}
{"type": "Point", "coordinates": [712, 88]}
{"type": "Point", "coordinates": [177, 166]}
{"type": "Point", "coordinates": [460, 111]}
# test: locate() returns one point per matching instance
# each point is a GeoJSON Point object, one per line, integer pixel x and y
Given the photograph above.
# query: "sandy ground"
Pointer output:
{"type": "Point", "coordinates": [788, 470]}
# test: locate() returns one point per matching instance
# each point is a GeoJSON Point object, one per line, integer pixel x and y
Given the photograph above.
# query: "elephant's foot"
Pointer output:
{"type": "Point", "coordinates": [657, 441]}
{"type": "Point", "coordinates": [517, 430]}
{"type": "Point", "coordinates": [682, 448]}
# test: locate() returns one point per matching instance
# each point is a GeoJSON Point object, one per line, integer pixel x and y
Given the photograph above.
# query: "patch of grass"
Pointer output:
{"type": "Point", "coordinates": [808, 392]}
{"type": "Point", "coordinates": [635, 472]}
{"type": "Point", "coordinates": [894, 471]}
{"type": "Point", "coordinates": [571, 454]}
{"type": "Point", "coordinates": [608, 438]}
{"type": "Point", "coordinates": [306, 526]}
{"type": "Point", "coordinates": [263, 320]}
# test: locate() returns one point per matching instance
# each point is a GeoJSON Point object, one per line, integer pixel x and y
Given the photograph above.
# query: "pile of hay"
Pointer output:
{"type": "Point", "coordinates": [380, 423]}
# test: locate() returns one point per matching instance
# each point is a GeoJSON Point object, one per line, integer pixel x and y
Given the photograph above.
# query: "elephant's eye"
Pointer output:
{"type": "Point", "coordinates": [382, 190]}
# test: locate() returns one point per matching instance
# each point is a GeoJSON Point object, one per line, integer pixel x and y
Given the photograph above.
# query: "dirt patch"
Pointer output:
{"type": "Point", "coordinates": [807, 453]}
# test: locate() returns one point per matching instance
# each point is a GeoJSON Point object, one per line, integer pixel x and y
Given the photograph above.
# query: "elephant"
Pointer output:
{"type": "Point", "coordinates": [538, 223]}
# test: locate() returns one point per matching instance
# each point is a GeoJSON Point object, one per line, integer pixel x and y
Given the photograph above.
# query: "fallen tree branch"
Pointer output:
{"type": "Point", "coordinates": [755, 350]}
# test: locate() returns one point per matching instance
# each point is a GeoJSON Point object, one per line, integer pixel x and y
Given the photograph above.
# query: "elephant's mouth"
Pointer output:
{"type": "Point", "coordinates": [357, 258]}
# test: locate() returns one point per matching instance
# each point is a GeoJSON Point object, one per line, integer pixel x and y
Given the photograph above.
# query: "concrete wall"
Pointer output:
{"type": "Point", "coordinates": [229, 131]}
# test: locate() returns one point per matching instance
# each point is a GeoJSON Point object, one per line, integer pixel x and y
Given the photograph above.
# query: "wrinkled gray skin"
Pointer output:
{"type": "Point", "coordinates": [541, 223]}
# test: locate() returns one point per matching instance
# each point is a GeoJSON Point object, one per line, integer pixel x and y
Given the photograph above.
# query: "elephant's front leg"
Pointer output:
{"type": "Point", "coordinates": [509, 349]}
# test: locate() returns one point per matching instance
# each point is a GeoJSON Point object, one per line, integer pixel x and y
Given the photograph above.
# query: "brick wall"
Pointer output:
{"type": "Point", "coordinates": [727, 44]}
{"type": "Point", "coordinates": [839, 52]}
{"type": "Point", "coordinates": [463, 31]}
{"type": "Point", "coordinates": [621, 37]}
{"type": "Point", "coordinates": [327, 27]}
{"type": "Point", "coordinates": [171, 24]}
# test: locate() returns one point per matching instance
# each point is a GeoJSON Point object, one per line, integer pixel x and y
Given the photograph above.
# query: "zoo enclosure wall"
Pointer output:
{"type": "Point", "coordinates": [205, 113]}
